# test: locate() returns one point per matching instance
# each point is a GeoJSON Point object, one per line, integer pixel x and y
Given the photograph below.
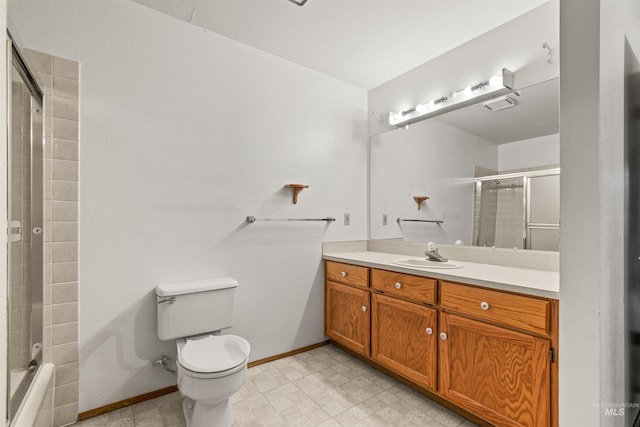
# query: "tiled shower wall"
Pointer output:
{"type": "Point", "coordinates": [60, 79]}
{"type": "Point", "coordinates": [510, 222]}
{"type": "Point", "coordinates": [499, 214]}
{"type": "Point", "coordinates": [484, 218]}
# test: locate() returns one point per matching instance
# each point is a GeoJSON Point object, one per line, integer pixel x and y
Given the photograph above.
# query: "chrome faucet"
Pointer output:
{"type": "Point", "coordinates": [433, 255]}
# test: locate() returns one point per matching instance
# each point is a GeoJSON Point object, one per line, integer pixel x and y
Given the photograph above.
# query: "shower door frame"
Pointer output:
{"type": "Point", "coordinates": [526, 176]}
{"type": "Point", "coordinates": [36, 233]}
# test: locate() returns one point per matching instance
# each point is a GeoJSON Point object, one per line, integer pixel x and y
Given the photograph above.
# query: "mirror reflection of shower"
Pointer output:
{"type": "Point", "coordinates": [518, 210]}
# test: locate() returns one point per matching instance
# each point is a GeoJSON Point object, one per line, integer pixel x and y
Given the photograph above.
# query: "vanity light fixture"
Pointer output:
{"type": "Point", "coordinates": [482, 91]}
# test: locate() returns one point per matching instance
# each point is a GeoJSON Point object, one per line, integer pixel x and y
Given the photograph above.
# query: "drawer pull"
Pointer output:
{"type": "Point", "coordinates": [484, 305]}
{"type": "Point", "coordinates": [343, 274]}
{"type": "Point", "coordinates": [398, 285]}
{"type": "Point", "coordinates": [443, 336]}
{"type": "Point", "coordinates": [364, 308]}
{"type": "Point", "coordinates": [429, 331]}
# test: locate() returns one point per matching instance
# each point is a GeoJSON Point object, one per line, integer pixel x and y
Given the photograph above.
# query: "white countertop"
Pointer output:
{"type": "Point", "coordinates": [522, 280]}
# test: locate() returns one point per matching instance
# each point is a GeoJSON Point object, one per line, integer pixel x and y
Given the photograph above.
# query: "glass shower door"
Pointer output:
{"type": "Point", "coordinates": [25, 240]}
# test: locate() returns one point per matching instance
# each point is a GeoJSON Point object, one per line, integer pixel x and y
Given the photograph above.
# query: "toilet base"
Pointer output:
{"type": "Point", "coordinates": [197, 414]}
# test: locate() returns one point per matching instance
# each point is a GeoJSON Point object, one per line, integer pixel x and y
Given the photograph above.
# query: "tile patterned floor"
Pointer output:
{"type": "Point", "coordinates": [324, 387]}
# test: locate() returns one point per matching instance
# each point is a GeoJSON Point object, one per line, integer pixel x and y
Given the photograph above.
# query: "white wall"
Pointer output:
{"type": "Point", "coordinates": [183, 134]}
{"type": "Point", "coordinates": [528, 153]}
{"type": "Point", "coordinates": [619, 21]}
{"type": "Point", "coordinates": [430, 158]}
{"type": "Point", "coordinates": [592, 202]}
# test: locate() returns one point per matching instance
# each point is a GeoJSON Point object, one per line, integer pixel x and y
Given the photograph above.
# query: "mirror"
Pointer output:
{"type": "Point", "coordinates": [441, 157]}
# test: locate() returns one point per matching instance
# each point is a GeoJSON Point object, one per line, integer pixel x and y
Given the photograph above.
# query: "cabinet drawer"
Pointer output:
{"type": "Point", "coordinates": [412, 288]}
{"type": "Point", "coordinates": [348, 274]}
{"type": "Point", "coordinates": [522, 312]}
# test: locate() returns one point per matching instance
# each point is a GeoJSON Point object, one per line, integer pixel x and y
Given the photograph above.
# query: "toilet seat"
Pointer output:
{"type": "Point", "coordinates": [213, 356]}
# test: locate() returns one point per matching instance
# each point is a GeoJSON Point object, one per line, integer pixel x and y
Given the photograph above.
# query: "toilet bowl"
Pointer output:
{"type": "Point", "coordinates": [210, 370]}
{"type": "Point", "coordinates": [211, 367]}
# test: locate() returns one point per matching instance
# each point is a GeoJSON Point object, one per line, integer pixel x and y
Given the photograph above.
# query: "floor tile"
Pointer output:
{"type": "Point", "coordinates": [324, 387]}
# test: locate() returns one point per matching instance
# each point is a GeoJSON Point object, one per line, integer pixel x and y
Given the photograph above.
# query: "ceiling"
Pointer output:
{"type": "Point", "coordinates": [535, 114]}
{"type": "Point", "coordinates": [362, 42]}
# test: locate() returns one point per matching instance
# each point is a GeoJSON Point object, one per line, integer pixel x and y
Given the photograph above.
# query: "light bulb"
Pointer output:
{"type": "Point", "coordinates": [468, 91]}
{"type": "Point", "coordinates": [421, 108]}
{"type": "Point", "coordinates": [495, 81]}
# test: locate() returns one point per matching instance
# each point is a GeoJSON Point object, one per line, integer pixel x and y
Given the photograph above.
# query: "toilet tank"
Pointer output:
{"type": "Point", "coordinates": [195, 307]}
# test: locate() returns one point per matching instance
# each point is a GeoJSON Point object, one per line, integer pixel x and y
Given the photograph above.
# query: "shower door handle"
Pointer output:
{"type": "Point", "coordinates": [14, 231]}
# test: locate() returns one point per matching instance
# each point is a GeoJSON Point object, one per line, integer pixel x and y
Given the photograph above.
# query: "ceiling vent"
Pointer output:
{"type": "Point", "coordinates": [500, 103]}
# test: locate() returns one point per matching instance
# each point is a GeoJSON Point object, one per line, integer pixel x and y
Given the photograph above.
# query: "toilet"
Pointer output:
{"type": "Point", "coordinates": [211, 367]}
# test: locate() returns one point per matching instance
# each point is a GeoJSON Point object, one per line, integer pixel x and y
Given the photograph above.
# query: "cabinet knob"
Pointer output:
{"type": "Point", "coordinates": [398, 285]}
{"type": "Point", "coordinates": [484, 305]}
{"type": "Point", "coordinates": [343, 274]}
{"type": "Point", "coordinates": [429, 331]}
{"type": "Point", "coordinates": [364, 308]}
{"type": "Point", "coordinates": [443, 336]}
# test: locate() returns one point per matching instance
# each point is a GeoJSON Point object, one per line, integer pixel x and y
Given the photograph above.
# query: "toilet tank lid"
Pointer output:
{"type": "Point", "coordinates": [193, 286]}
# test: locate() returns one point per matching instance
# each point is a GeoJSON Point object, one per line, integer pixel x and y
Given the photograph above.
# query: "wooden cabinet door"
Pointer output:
{"type": "Point", "coordinates": [347, 318]}
{"type": "Point", "coordinates": [498, 374]}
{"type": "Point", "coordinates": [404, 339]}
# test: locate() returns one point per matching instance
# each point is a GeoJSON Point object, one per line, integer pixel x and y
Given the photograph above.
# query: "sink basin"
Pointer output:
{"type": "Point", "coordinates": [424, 263]}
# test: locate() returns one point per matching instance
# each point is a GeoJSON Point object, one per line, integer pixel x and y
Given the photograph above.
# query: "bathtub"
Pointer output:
{"type": "Point", "coordinates": [36, 410]}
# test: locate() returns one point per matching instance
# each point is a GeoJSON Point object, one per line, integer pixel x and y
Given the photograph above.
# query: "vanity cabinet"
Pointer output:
{"type": "Point", "coordinates": [495, 354]}
{"type": "Point", "coordinates": [525, 313]}
{"type": "Point", "coordinates": [347, 306]}
{"type": "Point", "coordinates": [492, 353]}
{"type": "Point", "coordinates": [417, 289]}
{"type": "Point", "coordinates": [404, 339]}
{"type": "Point", "coordinates": [494, 372]}
{"type": "Point", "coordinates": [347, 274]}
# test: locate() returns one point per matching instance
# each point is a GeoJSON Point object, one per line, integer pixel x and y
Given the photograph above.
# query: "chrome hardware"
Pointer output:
{"type": "Point", "coordinates": [164, 362]}
{"type": "Point", "coordinates": [14, 231]}
{"type": "Point", "coordinates": [433, 255]}
{"type": "Point", "coordinates": [435, 221]}
{"type": "Point", "coordinates": [33, 365]}
{"type": "Point", "coordinates": [168, 300]}
{"type": "Point", "coordinates": [429, 331]}
{"type": "Point", "coordinates": [443, 336]}
{"type": "Point", "coordinates": [364, 308]}
{"type": "Point", "coordinates": [484, 305]}
{"type": "Point", "coordinates": [37, 230]}
{"type": "Point", "coordinates": [252, 219]}
{"type": "Point", "coordinates": [398, 285]}
{"type": "Point", "coordinates": [343, 274]}
{"type": "Point", "coordinates": [36, 350]}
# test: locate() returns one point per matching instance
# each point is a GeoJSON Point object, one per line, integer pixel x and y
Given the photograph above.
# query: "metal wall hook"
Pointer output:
{"type": "Point", "coordinates": [546, 46]}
